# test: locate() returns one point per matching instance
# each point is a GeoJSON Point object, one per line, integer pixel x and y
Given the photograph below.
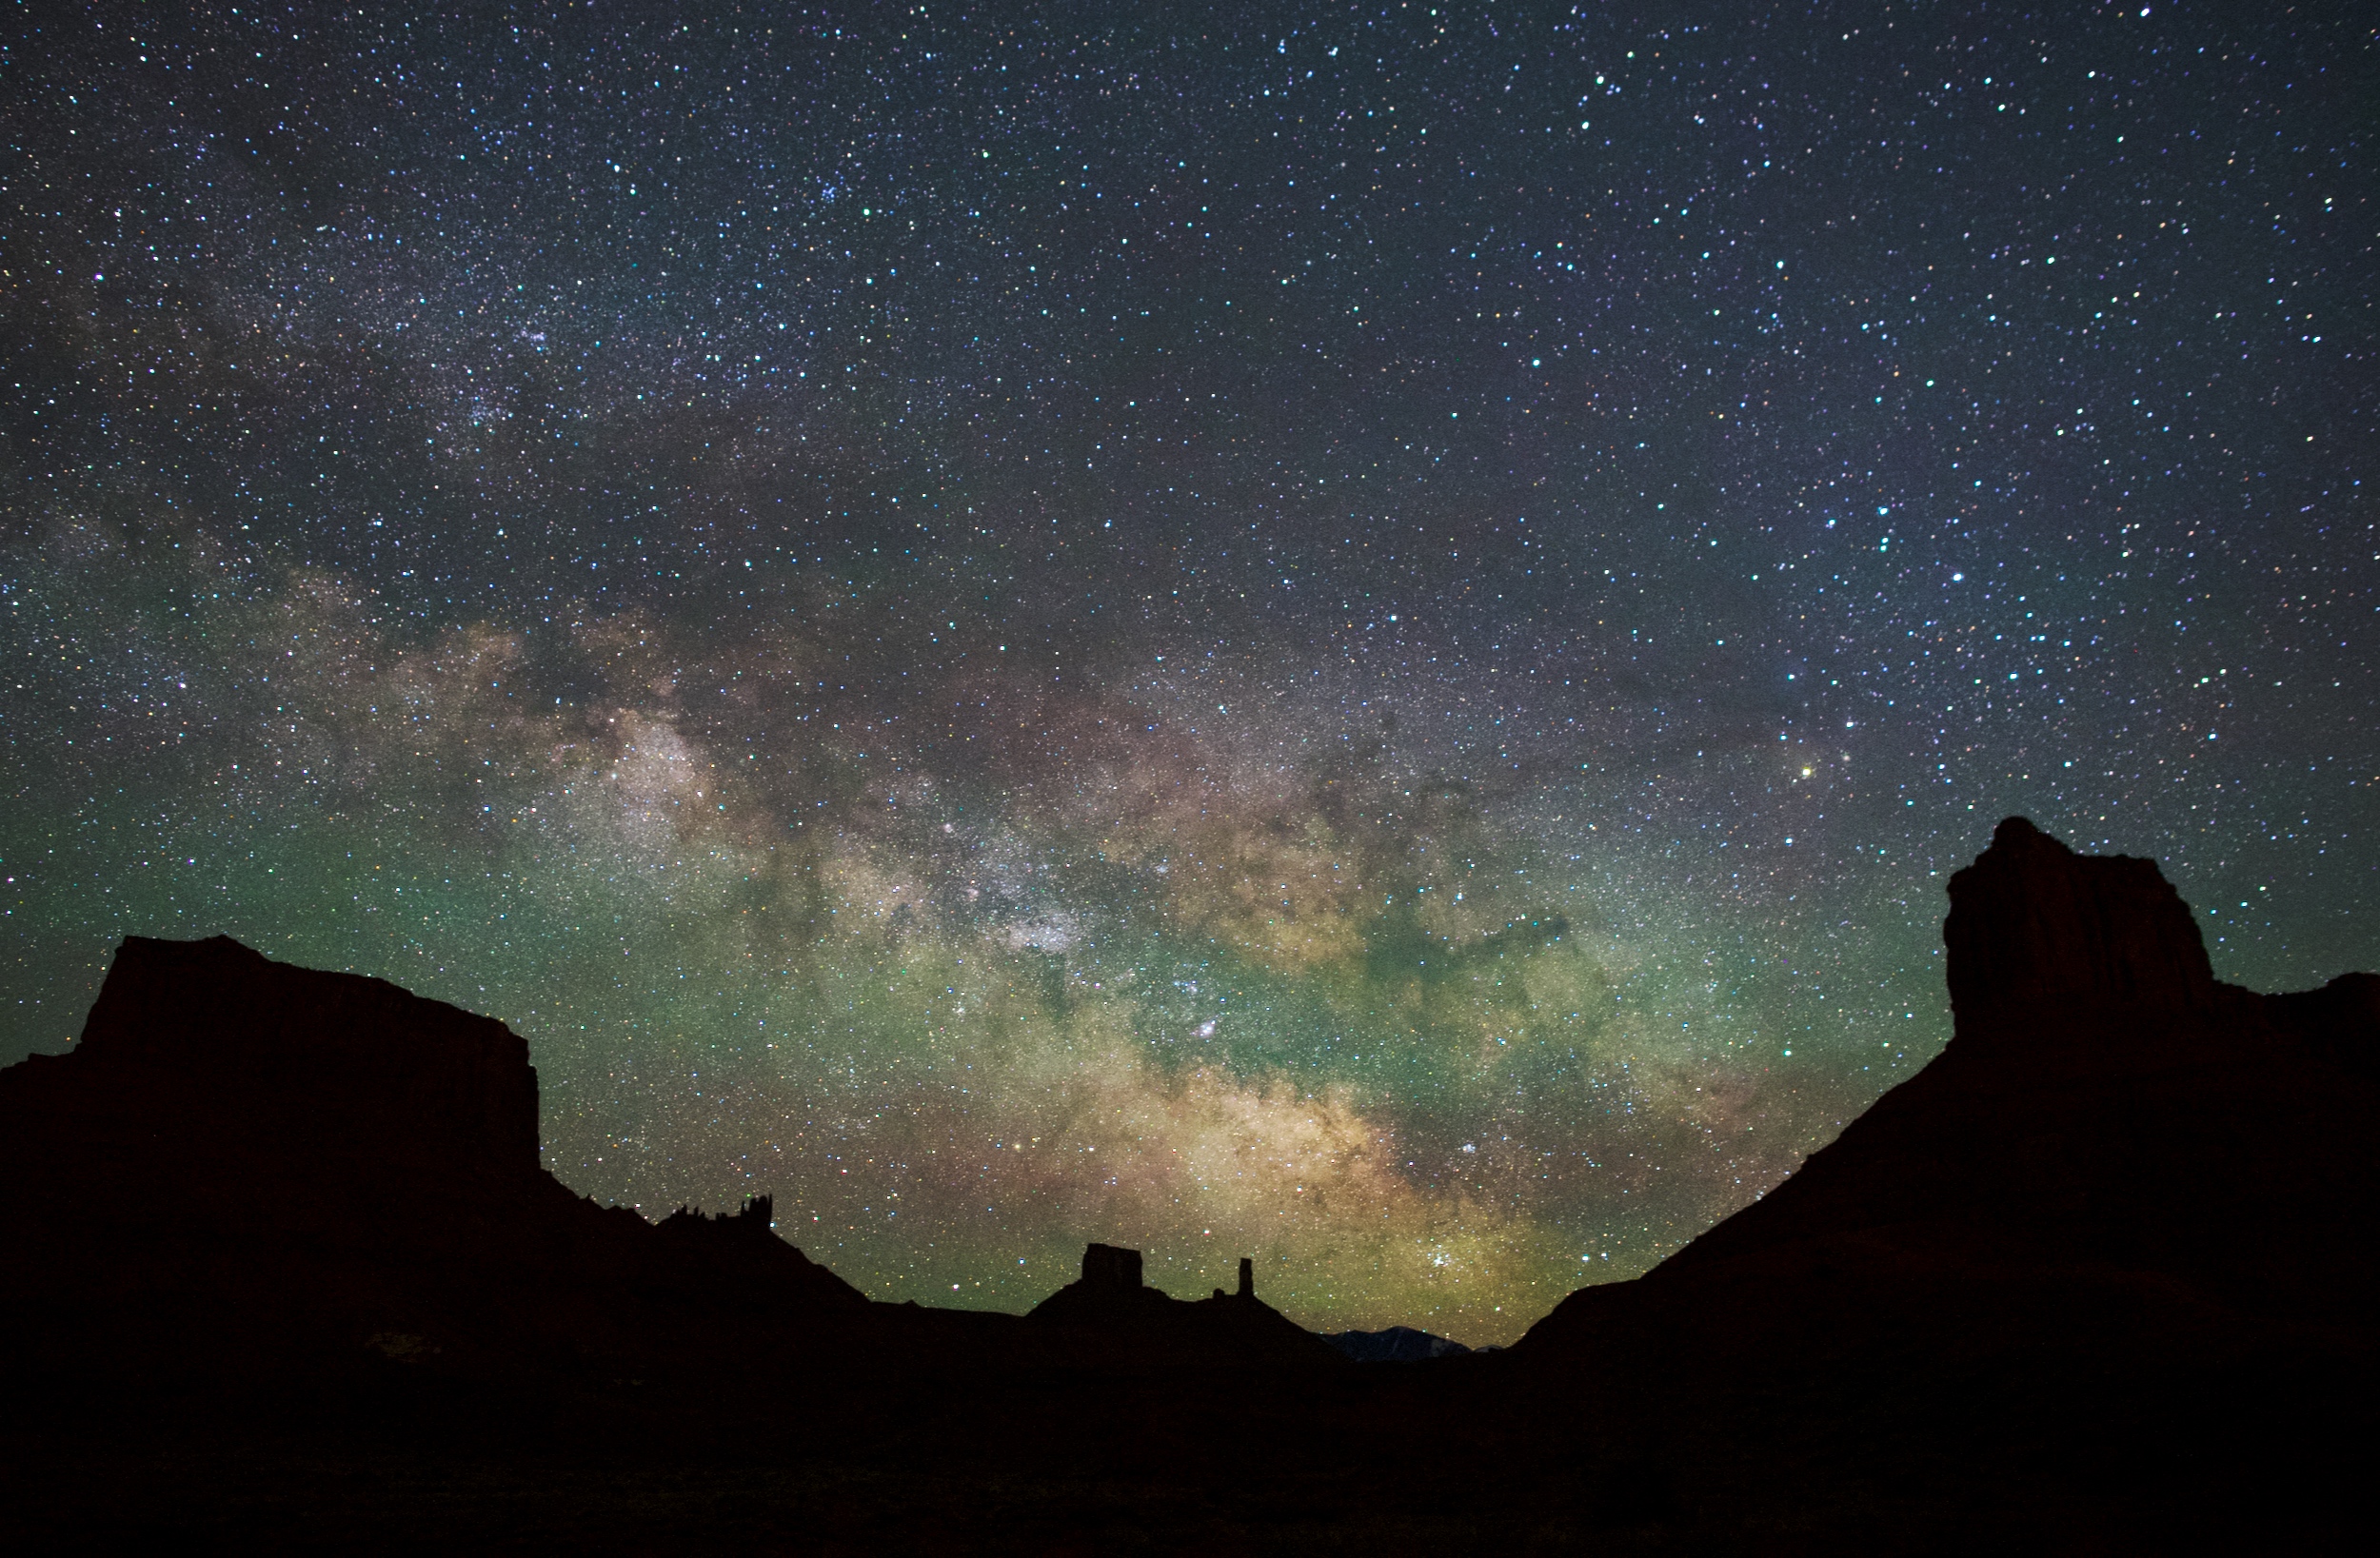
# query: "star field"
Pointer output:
{"type": "Point", "coordinates": [1361, 636]}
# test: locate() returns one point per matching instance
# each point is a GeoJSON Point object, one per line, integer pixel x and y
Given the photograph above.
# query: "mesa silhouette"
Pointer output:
{"type": "Point", "coordinates": [2101, 1273]}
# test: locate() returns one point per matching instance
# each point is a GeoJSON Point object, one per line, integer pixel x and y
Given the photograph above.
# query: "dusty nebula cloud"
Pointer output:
{"type": "Point", "coordinates": [1362, 639]}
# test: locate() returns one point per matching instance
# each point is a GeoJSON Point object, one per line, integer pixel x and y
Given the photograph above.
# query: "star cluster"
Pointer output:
{"type": "Point", "coordinates": [1363, 635]}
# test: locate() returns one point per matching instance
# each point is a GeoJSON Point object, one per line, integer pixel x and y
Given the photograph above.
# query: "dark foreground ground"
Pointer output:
{"type": "Point", "coordinates": [2073, 1459]}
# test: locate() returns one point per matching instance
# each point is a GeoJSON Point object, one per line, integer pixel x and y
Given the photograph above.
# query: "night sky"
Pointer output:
{"type": "Point", "coordinates": [1361, 635]}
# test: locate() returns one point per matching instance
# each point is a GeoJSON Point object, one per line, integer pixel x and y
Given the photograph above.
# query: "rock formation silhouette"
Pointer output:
{"type": "Point", "coordinates": [2101, 1275]}
{"type": "Point", "coordinates": [1109, 1309]}
{"type": "Point", "coordinates": [2122, 1226]}
{"type": "Point", "coordinates": [2103, 1104]}
{"type": "Point", "coordinates": [246, 1169]}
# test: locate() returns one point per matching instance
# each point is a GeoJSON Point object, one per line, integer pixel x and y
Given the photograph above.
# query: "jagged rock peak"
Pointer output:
{"type": "Point", "coordinates": [757, 1215]}
{"type": "Point", "coordinates": [2033, 924]}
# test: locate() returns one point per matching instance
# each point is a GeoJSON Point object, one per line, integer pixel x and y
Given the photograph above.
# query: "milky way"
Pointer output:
{"type": "Point", "coordinates": [1359, 636]}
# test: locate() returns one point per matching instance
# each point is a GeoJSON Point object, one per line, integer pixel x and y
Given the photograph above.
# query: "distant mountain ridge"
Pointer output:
{"type": "Point", "coordinates": [1397, 1343]}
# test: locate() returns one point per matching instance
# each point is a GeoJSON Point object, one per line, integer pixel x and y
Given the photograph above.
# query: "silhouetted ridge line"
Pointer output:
{"type": "Point", "coordinates": [2101, 1274]}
